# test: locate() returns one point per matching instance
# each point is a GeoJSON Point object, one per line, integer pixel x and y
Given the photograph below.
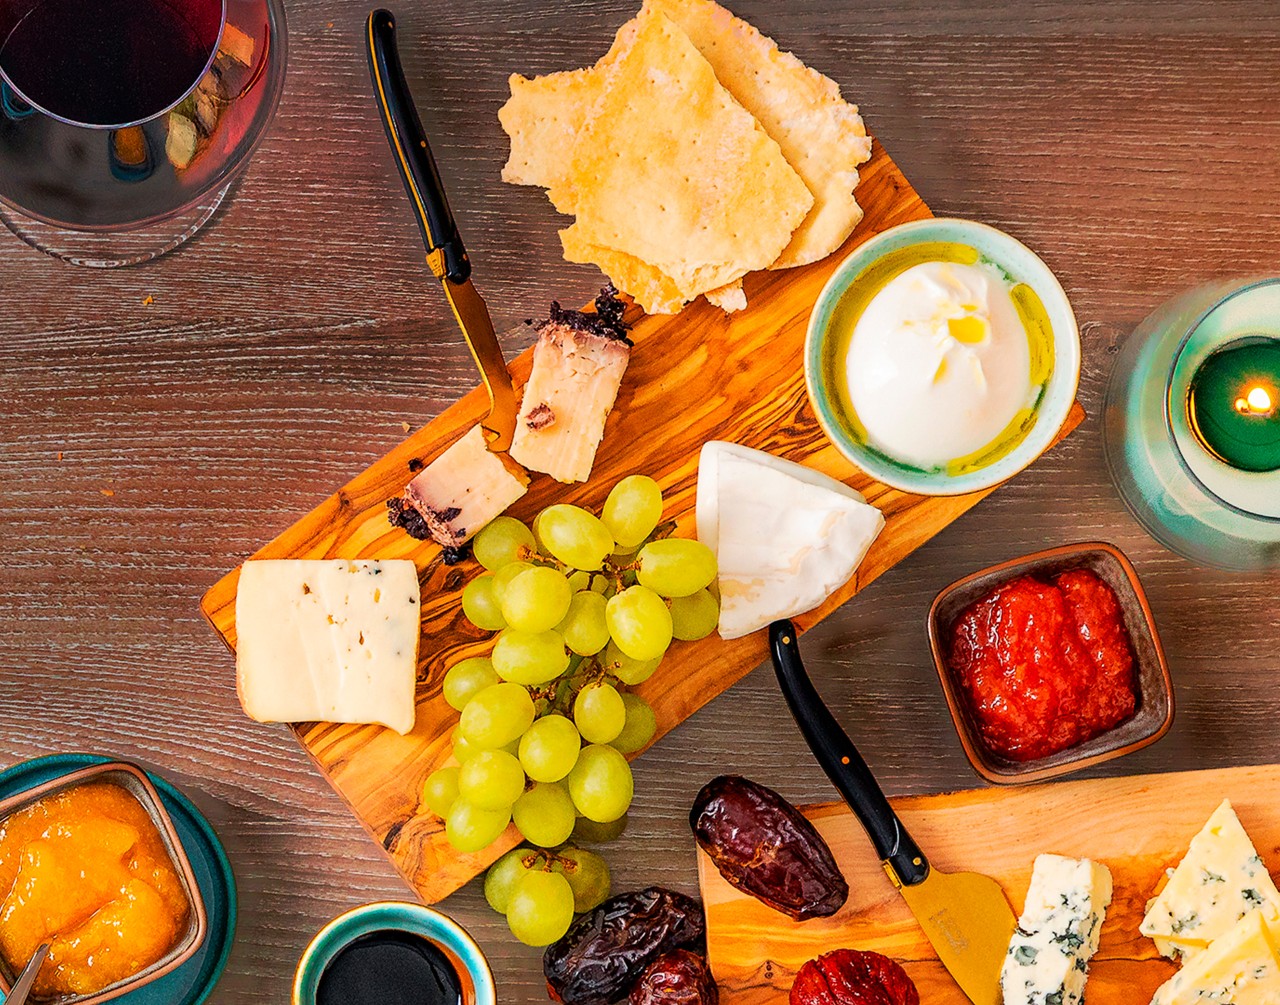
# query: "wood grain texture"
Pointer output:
{"type": "Point", "coordinates": [1137, 826]}
{"type": "Point", "coordinates": [1129, 142]}
{"type": "Point", "coordinates": [698, 376]}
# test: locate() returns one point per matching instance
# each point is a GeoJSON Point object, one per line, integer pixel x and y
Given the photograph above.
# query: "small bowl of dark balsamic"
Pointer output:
{"type": "Point", "coordinates": [393, 954]}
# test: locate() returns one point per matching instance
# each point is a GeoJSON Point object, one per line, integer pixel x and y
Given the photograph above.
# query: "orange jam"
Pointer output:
{"type": "Point", "coordinates": [86, 870]}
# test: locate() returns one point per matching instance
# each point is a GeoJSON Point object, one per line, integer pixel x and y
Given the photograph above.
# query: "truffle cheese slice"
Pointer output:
{"type": "Point", "coordinates": [1219, 881]}
{"type": "Point", "coordinates": [786, 537]}
{"type": "Point", "coordinates": [571, 390]}
{"type": "Point", "coordinates": [464, 488]}
{"type": "Point", "coordinates": [328, 640]}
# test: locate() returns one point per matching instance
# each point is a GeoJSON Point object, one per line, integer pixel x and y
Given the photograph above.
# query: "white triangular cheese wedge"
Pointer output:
{"type": "Point", "coordinates": [785, 536]}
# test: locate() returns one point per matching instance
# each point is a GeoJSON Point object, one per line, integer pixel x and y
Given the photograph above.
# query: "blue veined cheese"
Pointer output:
{"type": "Point", "coordinates": [1241, 967]}
{"type": "Point", "coordinates": [1217, 883]}
{"type": "Point", "coordinates": [1048, 958]}
{"type": "Point", "coordinates": [328, 640]}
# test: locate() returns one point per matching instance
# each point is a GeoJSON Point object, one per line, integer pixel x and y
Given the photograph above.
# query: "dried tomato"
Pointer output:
{"type": "Point", "coordinates": [852, 977]}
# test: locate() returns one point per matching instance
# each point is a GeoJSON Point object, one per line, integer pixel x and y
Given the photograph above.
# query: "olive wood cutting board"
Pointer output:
{"type": "Point", "coordinates": [697, 376]}
{"type": "Point", "coordinates": [1137, 826]}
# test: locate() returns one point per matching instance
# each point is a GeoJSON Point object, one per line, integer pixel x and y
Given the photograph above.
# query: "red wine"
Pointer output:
{"type": "Point", "coordinates": [389, 968]}
{"type": "Point", "coordinates": [106, 62]}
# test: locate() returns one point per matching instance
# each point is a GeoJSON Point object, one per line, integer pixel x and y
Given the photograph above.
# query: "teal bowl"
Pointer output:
{"type": "Point", "coordinates": [1021, 265]}
{"type": "Point", "coordinates": [444, 933]}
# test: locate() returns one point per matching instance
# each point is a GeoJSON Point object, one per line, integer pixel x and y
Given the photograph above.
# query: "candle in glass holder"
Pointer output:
{"type": "Point", "coordinates": [1234, 404]}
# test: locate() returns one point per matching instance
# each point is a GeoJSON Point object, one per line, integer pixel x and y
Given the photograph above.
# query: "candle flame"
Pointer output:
{"type": "Point", "coordinates": [1256, 401]}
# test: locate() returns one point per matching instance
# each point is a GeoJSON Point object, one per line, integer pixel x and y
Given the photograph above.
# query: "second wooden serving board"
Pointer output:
{"type": "Point", "coordinates": [1137, 827]}
{"type": "Point", "coordinates": [697, 376]}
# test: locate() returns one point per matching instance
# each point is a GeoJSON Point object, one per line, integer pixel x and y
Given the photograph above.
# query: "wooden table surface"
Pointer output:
{"type": "Point", "coordinates": [145, 449]}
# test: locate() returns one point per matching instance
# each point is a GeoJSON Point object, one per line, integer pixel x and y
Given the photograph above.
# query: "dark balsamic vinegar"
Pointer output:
{"type": "Point", "coordinates": [108, 62]}
{"type": "Point", "coordinates": [389, 968]}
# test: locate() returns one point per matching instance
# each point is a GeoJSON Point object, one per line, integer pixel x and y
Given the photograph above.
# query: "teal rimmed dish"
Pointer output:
{"type": "Point", "coordinates": [468, 960]}
{"type": "Point", "coordinates": [1020, 265]}
{"type": "Point", "coordinates": [193, 982]}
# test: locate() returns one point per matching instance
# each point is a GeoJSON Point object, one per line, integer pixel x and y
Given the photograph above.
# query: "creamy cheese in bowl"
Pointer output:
{"type": "Point", "coordinates": [935, 363]}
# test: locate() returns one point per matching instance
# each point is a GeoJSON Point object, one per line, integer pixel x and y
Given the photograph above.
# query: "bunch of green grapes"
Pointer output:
{"type": "Point", "coordinates": [584, 606]}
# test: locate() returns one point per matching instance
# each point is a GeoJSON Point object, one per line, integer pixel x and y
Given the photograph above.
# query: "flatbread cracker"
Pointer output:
{"type": "Point", "coordinates": [728, 298]}
{"type": "Point", "coordinates": [652, 289]}
{"type": "Point", "coordinates": [821, 135]}
{"type": "Point", "coordinates": [703, 220]}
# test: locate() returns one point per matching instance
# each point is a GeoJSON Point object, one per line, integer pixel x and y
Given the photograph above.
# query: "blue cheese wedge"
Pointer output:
{"type": "Point", "coordinates": [1241, 966]}
{"type": "Point", "coordinates": [1221, 879]}
{"type": "Point", "coordinates": [786, 537]}
{"type": "Point", "coordinates": [328, 640]}
{"type": "Point", "coordinates": [1057, 935]}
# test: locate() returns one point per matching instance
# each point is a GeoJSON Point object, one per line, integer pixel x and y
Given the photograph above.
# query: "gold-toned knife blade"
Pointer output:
{"type": "Point", "coordinates": [968, 921]}
{"type": "Point", "coordinates": [472, 315]}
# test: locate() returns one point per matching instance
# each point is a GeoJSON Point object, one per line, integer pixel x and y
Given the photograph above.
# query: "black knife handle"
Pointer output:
{"type": "Point", "coordinates": [446, 254]}
{"type": "Point", "coordinates": [841, 761]}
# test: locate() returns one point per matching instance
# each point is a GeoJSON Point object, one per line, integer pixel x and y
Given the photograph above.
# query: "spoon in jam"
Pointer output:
{"type": "Point", "coordinates": [22, 986]}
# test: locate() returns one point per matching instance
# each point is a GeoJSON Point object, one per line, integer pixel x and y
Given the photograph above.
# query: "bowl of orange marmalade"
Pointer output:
{"type": "Point", "coordinates": [91, 863]}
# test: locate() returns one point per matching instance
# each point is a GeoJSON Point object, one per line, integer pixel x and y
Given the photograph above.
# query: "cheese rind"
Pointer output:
{"type": "Point", "coordinates": [572, 387]}
{"type": "Point", "coordinates": [464, 488]}
{"type": "Point", "coordinates": [1057, 935]}
{"type": "Point", "coordinates": [1218, 882]}
{"type": "Point", "coordinates": [1241, 966]}
{"type": "Point", "coordinates": [785, 536]}
{"type": "Point", "coordinates": [328, 640]}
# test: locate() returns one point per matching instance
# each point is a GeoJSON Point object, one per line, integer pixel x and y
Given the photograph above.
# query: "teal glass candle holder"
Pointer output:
{"type": "Point", "coordinates": [1191, 424]}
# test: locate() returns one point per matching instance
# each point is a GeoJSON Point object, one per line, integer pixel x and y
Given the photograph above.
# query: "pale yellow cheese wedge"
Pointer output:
{"type": "Point", "coordinates": [1241, 967]}
{"type": "Point", "coordinates": [464, 488]}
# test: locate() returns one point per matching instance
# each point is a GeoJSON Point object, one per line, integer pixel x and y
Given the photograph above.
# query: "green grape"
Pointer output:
{"type": "Point", "coordinates": [504, 874]}
{"type": "Point", "coordinates": [529, 658]}
{"type": "Point", "coordinates": [695, 616]}
{"type": "Point", "coordinates": [545, 815]}
{"type": "Point", "coordinates": [536, 600]}
{"type": "Point", "coordinates": [632, 510]}
{"type": "Point", "coordinates": [639, 728]}
{"type": "Point", "coordinates": [600, 584]}
{"type": "Point", "coordinates": [502, 541]}
{"type": "Point", "coordinates": [584, 628]}
{"type": "Point", "coordinates": [639, 622]}
{"type": "Point", "coordinates": [549, 748]}
{"type": "Point", "coordinates": [676, 566]}
{"type": "Point", "coordinates": [601, 784]}
{"type": "Point", "coordinates": [574, 536]}
{"type": "Point", "coordinates": [630, 672]}
{"type": "Point", "coordinates": [492, 780]}
{"type": "Point", "coordinates": [590, 832]}
{"type": "Point", "coordinates": [464, 751]}
{"type": "Point", "coordinates": [541, 908]}
{"type": "Point", "coordinates": [480, 604]}
{"type": "Point", "coordinates": [588, 876]}
{"type": "Point", "coordinates": [580, 581]}
{"type": "Point", "coordinates": [440, 790]}
{"type": "Point", "coordinates": [599, 713]}
{"type": "Point", "coordinates": [469, 828]}
{"type": "Point", "coordinates": [536, 527]}
{"type": "Point", "coordinates": [464, 680]}
{"type": "Point", "coordinates": [496, 716]}
{"type": "Point", "coordinates": [503, 577]}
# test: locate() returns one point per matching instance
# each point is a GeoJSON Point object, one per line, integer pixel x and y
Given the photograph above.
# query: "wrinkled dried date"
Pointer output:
{"type": "Point", "coordinates": [852, 977]}
{"type": "Point", "coordinates": [679, 978]}
{"type": "Point", "coordinates": [606, 950]}
{"type": "Point", "coordinates": [764, 847]}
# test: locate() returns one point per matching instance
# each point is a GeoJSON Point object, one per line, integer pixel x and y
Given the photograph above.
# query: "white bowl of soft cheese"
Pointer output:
{"type": "Point", "coordinates": [942, 357]}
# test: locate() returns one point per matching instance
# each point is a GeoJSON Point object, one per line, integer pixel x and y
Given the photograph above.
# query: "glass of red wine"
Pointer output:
{"type": "Point", "coordinates": [124, 124]}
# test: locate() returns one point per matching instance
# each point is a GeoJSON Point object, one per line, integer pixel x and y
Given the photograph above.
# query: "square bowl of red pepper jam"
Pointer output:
{"type": "Point", "coordinates": [1051, 663]}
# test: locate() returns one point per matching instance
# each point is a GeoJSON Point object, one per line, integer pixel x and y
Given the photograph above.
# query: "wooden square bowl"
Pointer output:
{"type": "Point", "coordinates": [1154, 713]}
{"type": "Point", "coordinates": [134, 781]}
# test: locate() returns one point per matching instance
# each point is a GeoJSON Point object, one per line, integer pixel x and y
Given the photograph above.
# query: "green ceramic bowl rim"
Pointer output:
{"type": "Point", "coordinates": [1020, 262]}
{"type": "Point", "coordinates": [399, 916]}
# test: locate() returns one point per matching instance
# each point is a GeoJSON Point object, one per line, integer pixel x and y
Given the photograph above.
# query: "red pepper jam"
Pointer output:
{"type": "Point", "coordinates": [1044, 665]}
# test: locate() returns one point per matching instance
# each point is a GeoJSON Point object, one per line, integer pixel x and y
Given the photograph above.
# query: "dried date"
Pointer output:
{"type": "Point", "coordinates": [679, 978]}
{"type": "Point", "coordinates": [766, 848]}
{"type": "Point", "coordinates": [852, 977]}
{"type": "Point", "coordinates": [605, 951]}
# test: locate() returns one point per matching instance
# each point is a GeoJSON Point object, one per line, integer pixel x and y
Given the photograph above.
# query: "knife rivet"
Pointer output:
{"type": "Point", "coordinates": [844, 760]}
